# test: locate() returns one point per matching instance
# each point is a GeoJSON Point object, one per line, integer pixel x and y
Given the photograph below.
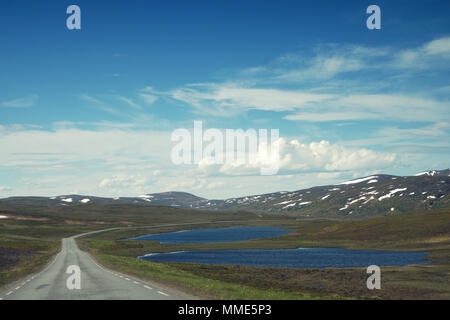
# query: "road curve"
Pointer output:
{"type": "Point", "coordinates": [97, 282]}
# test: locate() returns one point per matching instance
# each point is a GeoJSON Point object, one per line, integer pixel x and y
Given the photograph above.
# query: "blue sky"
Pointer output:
{"type": "Point", "coordinates": [91, 111]}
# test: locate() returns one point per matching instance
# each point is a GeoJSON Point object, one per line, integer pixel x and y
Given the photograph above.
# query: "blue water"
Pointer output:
{"type": "Point", "coordinates": [295, 258]}
{"type": "Point", "coordinates": [215, 235]}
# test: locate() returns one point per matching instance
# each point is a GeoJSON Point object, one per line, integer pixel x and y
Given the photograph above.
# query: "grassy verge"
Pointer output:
{"type": "Point", "coordinates": [195, 284]}
{"type": "Point", "coordinates": [27, 246]}
{"type": "Point", "coordinates": [24, 261]}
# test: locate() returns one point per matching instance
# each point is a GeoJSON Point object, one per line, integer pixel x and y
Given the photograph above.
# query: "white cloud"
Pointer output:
{"type": "Point", "coordinates": [222, 99]}
{"type": "Point", "coordinates": [297, 157]}
{"type": "Point", "coordinates": [432, 54]}
{"type": "Point", "coordinates": [320, 63]}
{"type": "Point", "coordinates": [330, 116]}
{"type": "Point", "coordinates": [433, 131]}
{"type": "Point", "coordinates": [439, 46]}
{"type": "Point", "coordinates": [324, 99]}
{"type": "Point", "coordinates": [325, 156]}
{"type": "Point", "coordinates": [324, 68]}
{"type": "Point", "coordinates": [89, 98]}
{"type": "Point", "coordinates": [120, 162]}
{"type": "Point", "coordinates": [21, 102]}
{"type": "Point", "coordinates": [187, 184]}
{"type": "Point", "coordinates": [376, 106]}
{"type": "Point", "coordinates": [215, 185]}
{"type": "Point", "coordinates": [123, 181]}
{"type": "Point", "coordinates": [107, 161]}
{"type": "Point", "coordinates": [330, 61]}
{"type": "Point", "coordinates": [316, 92]}
{"type": "Point", "coordinates": [98, 103]}
{"type": "Point", "coordinates": [40, 149]}
{"type": "Point", "coordinates": [148, 98]}
{"type": "Point", "coordinates": [129, 102]}
{"type": "Point", "coordinates": [227, 100]}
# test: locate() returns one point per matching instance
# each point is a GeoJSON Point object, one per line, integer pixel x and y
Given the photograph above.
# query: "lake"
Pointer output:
{"type": "Point", "coordinates": [295, 258]}
{"type": "Point", "coordinates": [287, 258]}
{"type": "Point", "coordinates": [215, 235]}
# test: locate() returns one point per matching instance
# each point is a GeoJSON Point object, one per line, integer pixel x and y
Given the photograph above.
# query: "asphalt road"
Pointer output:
{"type": "Point", "coordinates": [97, 282]}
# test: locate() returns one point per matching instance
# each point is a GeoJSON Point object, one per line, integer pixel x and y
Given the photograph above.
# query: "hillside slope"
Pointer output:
{"type": "Point", "coordinates": [377, 195]}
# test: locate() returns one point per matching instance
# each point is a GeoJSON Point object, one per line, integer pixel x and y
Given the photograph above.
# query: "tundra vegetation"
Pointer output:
{"type": "Point", "coordinates": [31, 236]}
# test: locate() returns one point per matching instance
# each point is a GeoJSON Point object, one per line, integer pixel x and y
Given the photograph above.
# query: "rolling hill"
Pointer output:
{"type": "Point", "coordinates": [376, 195]}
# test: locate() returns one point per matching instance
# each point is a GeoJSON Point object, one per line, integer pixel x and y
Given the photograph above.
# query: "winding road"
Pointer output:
{"type": "Point", "coordinates": [97, 282]}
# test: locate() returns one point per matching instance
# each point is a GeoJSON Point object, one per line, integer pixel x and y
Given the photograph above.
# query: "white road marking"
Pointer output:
{"type": "Point", "coordinates": [135, 282]}
{"type": "Point", "coordinates": [1, 298]}
{"type": "Point", "coordinates": [17, 288]}
{"type": "Point", "coordinates": [9, 293]}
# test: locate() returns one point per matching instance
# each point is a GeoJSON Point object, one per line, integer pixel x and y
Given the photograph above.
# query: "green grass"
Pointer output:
{"type": "Point", "coordinates": [27, 246]}
{"type": "Point", "coordinates": [120, 214]}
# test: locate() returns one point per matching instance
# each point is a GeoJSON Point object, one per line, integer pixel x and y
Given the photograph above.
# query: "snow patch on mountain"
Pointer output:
{"type": "Point", "coordinates": [358, 180]}
{"type": "Point", "coordinates": [391, 193]}
{"type": "Point", "coordinates": [426, 173]}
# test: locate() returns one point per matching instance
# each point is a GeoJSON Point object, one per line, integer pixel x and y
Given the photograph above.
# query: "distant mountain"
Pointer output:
{"type": "Point", "coordinates": [365, 197]}
{"type": "Point", "coordinates": [63, 200]}
{"type": "Point", "coordinates": [375, 195]}
{"type": "Point", "coordinates": [433, 173]}
{"type": "Point", "coordinates": [173, 199]}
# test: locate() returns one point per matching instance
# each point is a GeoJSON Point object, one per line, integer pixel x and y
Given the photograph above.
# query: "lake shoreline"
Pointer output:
{"type": "Point", "coordinates": [319, 258]}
